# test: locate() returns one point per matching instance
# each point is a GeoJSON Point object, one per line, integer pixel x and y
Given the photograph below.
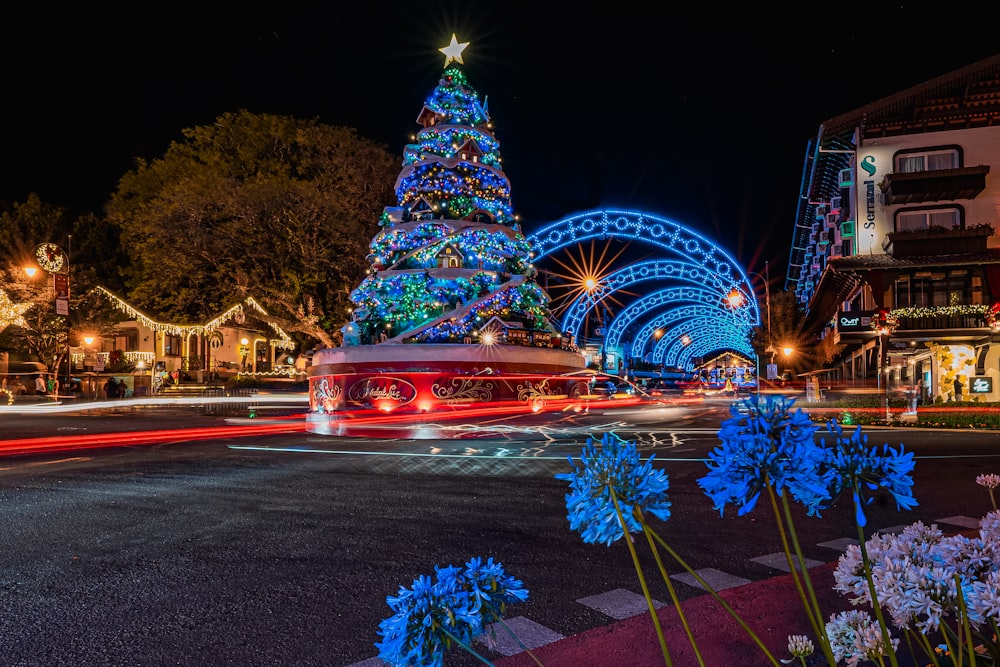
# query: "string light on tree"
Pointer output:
{"type": "Point", "coordinates": [450, 255]}
{"type": "Point", "coordinates": [11, 314]}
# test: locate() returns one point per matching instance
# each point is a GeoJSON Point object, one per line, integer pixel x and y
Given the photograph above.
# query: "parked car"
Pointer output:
{"type": "Point", "coordinates": [604, 388]}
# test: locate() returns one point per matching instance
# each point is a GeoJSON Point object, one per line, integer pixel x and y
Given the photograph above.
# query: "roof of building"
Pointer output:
{"type": "Point", "coordinates": [868, 262]}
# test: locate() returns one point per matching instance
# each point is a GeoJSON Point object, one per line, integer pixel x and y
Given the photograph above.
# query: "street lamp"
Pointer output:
{"type": "Point", "coordinates": [244, 351]}
{"type": "Point", "coordinates": [883, 395]}
{"type": "Point", "coordinates": [55, 261]}
{"type": "Point", "coordinates": [735, 299]}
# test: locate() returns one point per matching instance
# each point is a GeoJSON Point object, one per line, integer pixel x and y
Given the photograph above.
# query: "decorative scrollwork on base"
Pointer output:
{"type": "Point", "coordinates": [326, 396]}
{"type": "Point", "coordinates": [463, 389]}
{"type": "Point", "coordinates": [534, 394]}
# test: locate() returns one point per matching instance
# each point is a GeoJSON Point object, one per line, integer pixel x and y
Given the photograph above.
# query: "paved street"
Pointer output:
{"type": "Point", "coordinates": [281, 549]}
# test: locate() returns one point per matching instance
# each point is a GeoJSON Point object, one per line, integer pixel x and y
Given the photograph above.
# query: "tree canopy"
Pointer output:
{"type": "Point", "coordinates": [260, 205]}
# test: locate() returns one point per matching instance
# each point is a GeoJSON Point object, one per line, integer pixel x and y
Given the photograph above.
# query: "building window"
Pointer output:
{"type": "Point", "coordinates": [928, 160]}
{"type": "Point", "coordinates": [977, 290]}
{"type": "Point", "coordinates": [171, 345]}
{"type": "Point", "coordinates": [924, 289]}
{"type": "Point", "coordinates": [935, 218]}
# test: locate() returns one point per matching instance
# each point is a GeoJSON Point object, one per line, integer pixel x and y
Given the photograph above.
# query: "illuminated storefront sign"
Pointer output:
{"type": "Point", "coordinates": [855, 321]}
{"type": "Point", "coordinates": [981, 385]}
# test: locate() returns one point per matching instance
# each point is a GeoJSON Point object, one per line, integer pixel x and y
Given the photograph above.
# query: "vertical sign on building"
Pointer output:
{"type": "Point", "coordinates": [60, 284]}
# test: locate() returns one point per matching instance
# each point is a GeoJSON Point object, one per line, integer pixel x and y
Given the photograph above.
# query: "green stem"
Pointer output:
{"type": "Point", "coordinates": [963, 615]}
{"type": "Point", "coordinates": [925, 645]}
{"type": "Point", "coordinates": [517, 639]}
{"type": "Point", "coordinates": [946, 633]}
{"type": "Point", "coordinates": [466, 647]}
{"type": "Point", "coordinates": [670, 586]}
{"type": "Point", "coordinates": [812, 612]}
{"type": "Point", "coordinates": [816, 612]}
{"type": "Point", "coordinates": [871, 587]}
{"type": "Point", "coordinates": [725, 605]}
{"type": "Point", "coordinates": [642, 579]}
{"type": "Point", "coordinates": [993, 499]}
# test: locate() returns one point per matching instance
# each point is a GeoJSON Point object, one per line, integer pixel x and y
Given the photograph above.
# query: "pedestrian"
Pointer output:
{"type": "Point", "coordinates": [958, 388]}
{"type": "Point", "coordinates": [40, 385]}
{"type": "Point", "coordinates": [19, 389]}
{"type": "Point", "coordinates": [111, 389]}
{"type": "Point", "coordinates": [122, 388]}
{"type": "Point", "coordinates": [921, 391]}
{"type": "Point", "coordinates": [913, 395]}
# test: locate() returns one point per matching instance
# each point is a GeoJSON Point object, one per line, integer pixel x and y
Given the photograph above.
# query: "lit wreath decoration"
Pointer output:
{"type": "Point", "coordinates": [884, 322]}
{"type": "Point", "coordinates": [51, 258]}
{"type": "Point", "coordinates": [993, 317]}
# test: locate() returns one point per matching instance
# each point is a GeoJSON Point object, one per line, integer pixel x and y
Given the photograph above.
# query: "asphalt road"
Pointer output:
{"type": "Point", "coordinates": [281, 549]}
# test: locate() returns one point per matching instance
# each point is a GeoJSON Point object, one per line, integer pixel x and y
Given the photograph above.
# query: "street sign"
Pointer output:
{"type": "Point", "coordinates": [60, 285]}
{"type": "Point", "coordinates": [772, 371]}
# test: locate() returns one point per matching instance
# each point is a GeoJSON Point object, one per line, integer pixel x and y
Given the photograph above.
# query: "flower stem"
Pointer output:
{"type": "Point", "coordinates": [670, 587]}
{"type": "Point", "coordinates": [798, 575]}
{"type": "Point", "coordinates": [871, 590]}
{"type": "Point", "coordinates": [725, 605]}
{"type": "Point", "coordinates": [466, 647]}
{"type": "Point", "coordinates": [963, 614]}
{"type": "Point", "coordinates": [518, 640]}
{"type": "Point", "coordinates": [925, 644]}
{"type": "Point", "coordinates": [642, 579]}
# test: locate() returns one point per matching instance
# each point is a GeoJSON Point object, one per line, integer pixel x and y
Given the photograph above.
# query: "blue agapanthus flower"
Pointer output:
{"type": "Point", "coordinates": [852, 465]}
{"type": "Point", "coordinates": [491, 589]}
{"type": "Point", "coordinates": [765, 445]}
{"type": "Point", "coordinates": [454, 606]}
{"type": "Point", "coordinates": [614, 464]}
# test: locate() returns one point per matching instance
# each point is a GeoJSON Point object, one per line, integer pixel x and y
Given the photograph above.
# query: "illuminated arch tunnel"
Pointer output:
{"type": "Point", "coordinates": [685, 314]}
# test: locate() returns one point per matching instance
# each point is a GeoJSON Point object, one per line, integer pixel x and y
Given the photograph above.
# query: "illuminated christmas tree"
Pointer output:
{"type": "Point", "coordinates": [450, 256]}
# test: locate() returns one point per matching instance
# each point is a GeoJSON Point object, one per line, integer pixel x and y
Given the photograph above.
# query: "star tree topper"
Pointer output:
{"type": "Point", "coordinates": [453, 51]}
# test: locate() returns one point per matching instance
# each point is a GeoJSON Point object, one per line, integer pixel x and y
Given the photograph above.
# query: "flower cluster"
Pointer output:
{"type": "Point", "coordinates": [855, 636]}
{"type": "Point", "coordinates": [454, 607]}
{"type": "Point", "coordinates": [928, 582]}
{"type": "Point", "coordinates": [765, 445]}
{"type": "Point", "coordinates": [614, 466]}
{"type": "Point", "coordinates": [849, 463]}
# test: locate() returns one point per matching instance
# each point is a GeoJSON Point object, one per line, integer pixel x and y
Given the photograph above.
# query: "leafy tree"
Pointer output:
{"type": "Point", "coordinates": [94, 258]}
{"type": "Point", "coordinates": [787, 330]}
{"type": "Point", "coordinates": [259, 205]}
{"type": "Point", "coordinates": [22, 229]}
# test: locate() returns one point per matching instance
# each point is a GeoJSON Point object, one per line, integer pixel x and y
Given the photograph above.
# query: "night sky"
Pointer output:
{"type": "Point", "coordinates": [698, 116]}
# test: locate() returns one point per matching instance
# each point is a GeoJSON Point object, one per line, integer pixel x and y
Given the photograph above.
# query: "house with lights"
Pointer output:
{"type": "Point", "coordinates": [895, 252]}
{"type": "Point", "coordinates": [241, 339]}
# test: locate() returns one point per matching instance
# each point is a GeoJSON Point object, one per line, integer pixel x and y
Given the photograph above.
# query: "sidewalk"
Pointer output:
{"type": "Point", "coordinates": [772, 608]}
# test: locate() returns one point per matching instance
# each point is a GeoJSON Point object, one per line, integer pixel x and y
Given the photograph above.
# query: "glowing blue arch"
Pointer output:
{"type": "Point", "coordinates": [698, 337]}
{"type": "Point", "coordinates": [695, 260]}
{"type": "Point", "coordinates": [648, 332]}
{"type": "Point", "coordinates": [655, 269]}
{"type": "Point", "coordinates": [684, 301]}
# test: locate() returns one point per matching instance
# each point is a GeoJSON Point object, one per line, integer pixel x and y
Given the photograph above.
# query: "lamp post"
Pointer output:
{"type": "Point", "coordinates": [88, 341]}
{"type": "Point", "coordinates": [736, 300]}
{"type": "Point", "coordinates": [244, 350]}
{"type": "Point", "coordinates": [55, 261]}
{"type": "Point", "coordinates": [883, 390]}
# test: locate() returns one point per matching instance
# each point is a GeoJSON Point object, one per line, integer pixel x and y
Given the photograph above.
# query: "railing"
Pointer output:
{"type": "Point", "coordinates": [967, 321]}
